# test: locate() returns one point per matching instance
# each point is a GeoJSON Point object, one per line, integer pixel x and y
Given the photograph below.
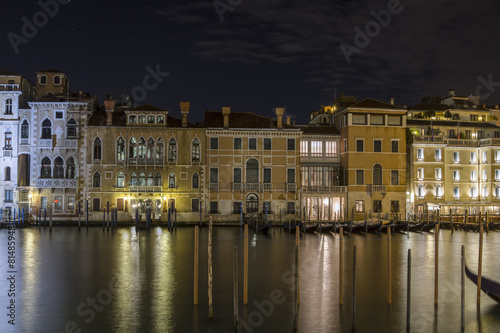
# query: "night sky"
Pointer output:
{"type": "Point", "coordinates": [265, 53]}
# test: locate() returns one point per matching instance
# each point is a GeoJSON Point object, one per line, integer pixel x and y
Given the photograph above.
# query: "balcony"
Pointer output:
{"type": "Point", "coordinates": [9, 87]}
{"type": "Point", "coordinates": [150, 189]}
{"type": "Point", "coordinates": [71, 143]}
{"type": "Point", "coordinates": [377, 188]}
{"type": "Point", "coordinates": [291, 187]}
{"type": "Point", "coordinates": [329, 189]}
{"type": "Point", "coordinates": [7, 153]}
{"type": "Point", "coordinates": [214, 186]}
{"type": "Point", "coordinates": [489, 142]}
{"type": "Point", "coordinates": [45, 143]}
{"type": "Point", "coordinates": [56, 183]}
{"type": "Point", "coordinates": [252, 186]}
{"type": "Point", "coordinates": [428, 138]}
{"type": "Point", "coordinates": [25, 141]}
{"type": "Point", "coordinates": [145, 161]}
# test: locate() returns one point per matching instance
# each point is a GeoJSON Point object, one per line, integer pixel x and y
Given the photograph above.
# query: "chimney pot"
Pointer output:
{"type": "Point", "coordinates": [109, 105]}
{"type": "Point", "coordinates": [288, 120]}
{"type": "Point", "coordinates": [497, 106]}
{"type": "Point", "coordinates": [451, 92]}
{"type": "Point", "coordinates": [226, 110]}
{"type": "Point", "coordinates": [392, 101]}
{"type": "Point", "coordinates": [279, 116]}
{"type": "Point", "coordinates": [184, 111]}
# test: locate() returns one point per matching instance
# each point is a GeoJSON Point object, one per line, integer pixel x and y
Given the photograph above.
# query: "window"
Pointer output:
{"type": "Point", "coordinates": [377, 146]}
{"type": "Point", "coordinates": [290, 207]}
{"type": "Point", "coordinates": [473, 192]}
{"type": "Point", "coordinates": [420, 173]}
{"type": "Point", "coordinates": [456, 156]}
{"type": "Point", "coordinates": [252, 172]}
{"type": "Point", "coordinates": [120, 149]}
{"type": "Point", "coordinates": [214, 143]}
{"type": "Point", "coordinates": [304, 148]}
{"type": "Point", "coordinates": [133, 180]}
{"type": "Point", "coordinates": [267, 175]}
{"type": "Point", "coordinates": [237, 175]}
{"type": "Point", "coordinates": [195, 205]}
{"type": "Point", "coordinates": [437, 155]}
{"type": "Point", "coordinates": [96, 204]}
{"type": "Point", "coordinates": [316, 148]}
{"type": "Point", "coordinates": [43, 79]}
{"type": "Point", "coordinates": [485, 175]}
{"type": "Point", "coordinates": [497, 174]}
{"type": "Point", "coordinates": [57, 80]}
{"type": "Point", "coordinates": [252, 143]}
{"type": "Point", "coordinates": [71, 203]}
{"type": "Point", "coordinates": [142, 119]}
{"type": "Point", "coordinates": [290, 179]}
{"type": "Point", "coordinates": [359, 119]}
{"type": "Point", "coordinates": [291, 144]}
{"type": "Point", "coordinates": [195, 154]}
{"type": "Point", "coordinates": [141, 148]}
{"type": "Point", "coordinates": [377, 174]}
{"type": "Point", "coordinates": [214, 207]}
{"type": "Point", "coordinates": [46, 129]}
{"type": "Point", "coordinates": [360, 177]}
{"type": "Point", "coordinates": [58, 168]}
{"type": "Point", "coordinates": [237, 143]}
{"type": "Point", "coordinates": [43, 202]}
{"type": "Point", "coordinates": [150, 149]}
{"type": "Point", "coordinates": [58, 203]}
{"type": "Point", "coordinates": [473, 158]}
{"type": "Point", "coordinates": [359, 206]}
{"type": "Point", "coordinates": [331, 149]}
{"type": "Point", "coordinates": [71, 168]}
{"type": "Point", "coordinates": [59, 115]}
{"type": "Point", "coordinates": [345, 145]}
{"type": "Point", "coordinates": [8, 196]}
{"type": "Point", "coordinates": [158, 181]}
{"type": "Point", "coordinates": [394, 177]}
{"type": "Point", "coordinates": [171, 180]}
{"type": "Point", "coordinates": [96, 179]}
{"type": "Point", "coordinates": [484, 192]}
{"type": "Point", "coordinates": [438, 192]}
{"type": "Point", "coordinates": [236, 207]}
{"type": "Point", "coordinates": [196, 180]}
{"type": "Point", "coordinates": [267, 144]}
{"type": "Point", "coordinates": [214, 175]}
{"type": "Point", "coordinates": [359, 145]}
{"type": "Point", "coordinates": [97, 149]}
{"type": "Point", "coordinates": [485, 157]}
{"type": "Point", "coordinates": [437, 173]}
{"type": "Point", "coordinates": [473, 176]}
{"type": "Point", "coordinates": [377, 206]}
{"type": "Point", "coordinates": [71, 128]}
{"type": "Point", "coordinates": [8, 106]}
{"type": "Point", "coordinates": [497, 155]}
{"type": "Point", "coordinates": [172, 150]}
{"type": "Point", "coordinates": [7, 173]}
{"type": "Point", "coordinates": [394, 206]}
{"type": "Point", "coordinates": [456, 175]}
{"type": "Point", "coordinates": [394, 120]}
{"type": "Point", "coordinates": [132, 148]}
{"type": "Point", "coordinates": [497, 192]}
{"type": "Point", "coordinates": [420, 154]}
{"type": "Point", "coordinates": [25, 130]}
{"type": "Point", "coordinates": [8, 140]}
{"type": "Point", "coordinates": [120, 180]}
{"type": "Point", "coordinates": [160, 119]}
{"type": "Point", "coordinates": [377, 119]}
{"type": "Point", "coordinates": [150, 180]}
{"type": "Point", "coordinates": [395, 146]}
{"type": "Point", "coordinates": [46, 171]}
{"type": "Point", "coordinates": [151, 119]}
{"type": "Point", "coordinates": [159, 150]}
{"type": "Point", "coordinates": [132, 119]}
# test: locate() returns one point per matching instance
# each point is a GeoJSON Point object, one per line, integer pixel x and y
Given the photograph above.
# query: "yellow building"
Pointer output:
{"type": "Point", "coordinates": [252, 162]}
{"type": "Point", "coordinates": [373, 158]}
{"type": "Point", "coordinates": [141, 158]}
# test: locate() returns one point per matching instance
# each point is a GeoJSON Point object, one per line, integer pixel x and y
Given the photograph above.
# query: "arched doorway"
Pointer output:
{"type": "Point", "coordinates": [252, 203]}
{"type": "Point", "coordinates": [377, 174]}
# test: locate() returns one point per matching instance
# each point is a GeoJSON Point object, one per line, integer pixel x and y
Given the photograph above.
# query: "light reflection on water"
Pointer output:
{"type": "Point", "coordinates": [150, 277]}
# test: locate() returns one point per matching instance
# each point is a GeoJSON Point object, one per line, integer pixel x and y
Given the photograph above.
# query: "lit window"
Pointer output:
{"type": "Point", "coordinates": [304, 148]}
{"type": "Point", "coordinates": [456, 192]}
{"type": "Point", "coordinates": [473, 176]}
{"type": "Point", "coordinates": [420, 173]}
{"type": "Point", "coordinates": [151, 119]}
{"type": "Point", "coordinates": [456, 156]}
{"type": "Point", "coordinates": [132, 148]}
{"type": "Point", "coordinates": [331, 149]}
{"type": "Point", "coordinates": [456, 175]}
{"type": "Point", "coordinates": [120, 180]}
{"type": "Point", "coordinates": [420, 154]}
{"type": "Point", "coordinates": [120, 149]}
{"type": "Point", "coordinates": [473, 192]}
{"type": "Point", "coordinates": [172, 150]}
{"type": "Point", "coordinates": [195, 157]}
{"type": "Point", "coordinates": [159, 150]}
{"type": "Point", "coordinates": [485, 156]}
{"type": "Point", "coordinates": [473, 158]}
{"type": "Point", "coordinates": [171, 180]}
{"type": "Point", "coordinates": [8, 140]}
{"type": "Point", "coordinates": [132, 119]}
{"type": "Point", "coordinates": [437, 154]}
{"type": "Point", "coordinates": [485, 175]}
{"type": "Point", "coordinates": [484, 193]}
{"type": "Point", "coordinates": [438, 173]}
{"type": "Point", "coordinates": [141, 148]}
{"type": "Point", "coordinates": [360, 206]}
{"type": "Point", "coordinates": [420, 191]}
{"type": "Point", "coordinates": [150, 150]}
{"type": "Point", "coordinates": [316, 148]}
{"type": "Point", "coordinates": [58, 203]}
{"type": "Point", "coordinates": [160, 119]}
{"type": "Point", "coordinates": [438, 191]}
{"type": "Point", "coordinates": [497, 174]}
{"type": "Point", "coordinates": [142, 119]}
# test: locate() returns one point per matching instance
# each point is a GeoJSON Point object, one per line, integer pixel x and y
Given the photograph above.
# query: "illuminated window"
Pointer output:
{"type": "Point", "coordinates": [132, 148]}
{"type": "Point", "coordinates": [456, 175]}
{"type": "Point", "coordinates": [473, 176]}
{"type": "Point", "coordinates": [420, 154]}
{"type": "Point", "coordinates": [438, 191]}
{"type": "Point", "coordinates": [304, 148]}
{"type": "Point", "coordinates": [120, 149]}
{"type": "Point", "coordinates": [484, 193]}
{"type": "Point", "coordinates": [171, 180]}
{"type": "Point", "coordinates": [331, 149]}
{"type": "Point", "coordinates": [120, 180]}
{"type": "Point", "coordinates": [8, 140]}
{"type": "Point", "coordinates": [473, 192]}
{"type": "Point", "coordinates": [141, 151]}
{"type": "Point", "coordinates": [359, 206]}
{"type": "Point", "coordinates": [437, 155]}
{"type": "Point", "coordinates": [473, 157]}
{"type": "Point", "coordinates": [456, 192]}
{"type": "Point", "coordinates": [316, 148]}
{"type": "Point", "coordinates": [456, 156]}
{"type": "Point", "coordinates": [58, 203]}
{"type": "Point", "coordinates": [160, 119]}
{"type": "Point", "coordinates": [195, 157]}
{"type": "Point", "coordinates": [485, 156]}
{"type": "Point", "coordinates": [150, 150]}
{"type": "Point", "coordinates": [420, 173]}
{"type": "Point", "coordinates": [151, 119]}
{"type": "Point", "coordinates": [159, 149]}
{"type": "Point", "coordinates": [437, 173]}
{"type": "Point", "coordinates": [142, 119]}
{"type": "Point", "coordinates": [485, 175]}
{"type": "Point", "coordinates": [172, 150]}
{"type": "Point", "coordinates": [132, 119]}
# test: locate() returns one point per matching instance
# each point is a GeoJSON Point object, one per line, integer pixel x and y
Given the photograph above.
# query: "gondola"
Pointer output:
{"type": "Point", "coordinates": [400, 226]}
{"type": "Point", "coordinates": [309, 228]}
{"type": "Point", "coordinates": [374, 227]}
{"type": "Point", "coordinates": [326, 228]}
{"type": "Point", "coordinates": [352, 227]}
{"type": "Point", "coordinates": [428, 227]}
{"type": "Point", "coordinates": [384, 227]}
{"type": "Point", "coordinates": [416, 227]}
{"type": "Point", "coordinates": [263, 228]}
{"type": "Point", "coordinates": [292, 225]}
{"type": "Point", "coordinates": [490, 287]}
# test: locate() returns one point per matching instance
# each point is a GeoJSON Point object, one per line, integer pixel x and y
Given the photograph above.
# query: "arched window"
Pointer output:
{"type": "Point", "coordinates": [43, 79]}
{"type": "Point", "coordinates": [196, 180]}
{"type": "Point", "coordinates": [158, 179]}
{"type": "Point", "coordinates": [120, 180]}
{"type": "Point", "coordinates": [57, 79]}
{"type": "Point", "coordinates": [96, 179]}
{"type": "Point", "coordinates": [97, 149]}
{"type": "Point", "coordinates": [46, 171]}
{"type": "Point", "coordinates": [71, 128]}
{"type": "Point", "coordinates": [142, 179]}
{"type": "Point", "coordinates": [150, 180]}
{"type": "Point", "coordinates": [133, 179]}
{"type": "Point", "coordinates": [25, 129]}
{"type": "Point", "coordinates": [195, 157]}
{"type": "Point", "coordinates": [58, 168]}
{"type": "Point", "coordinates": [142, 148]}
{"type": "Point", "coordinates": [252, 171]}
{"type": "Point", "coordinates": [46, 129]}
{"type": "Point", "coordinates": [172, 150]}
{"type": "Point", "coordinates": [150, 152]}
{"type": "Point", "coordinates": [120, 149]}
{"type": "Point", "coordinates": [7, 173]}
{"type": "Point", "coordinates": [171, 180]}
{"type": "Point", "coordinates": [71, 168]}
{"type": "Point", "coordinates": [8, 140]}
{"type": "Point", "coordinates": [377, 174]}
{"type": "Point", "coordinates": [159, 149]}
{"type": "Point", "coordinates": [132, 153]}
{"type": "Point", "coordinates": [8, 106]}
{"type": "Point", "coordinates": [252, 203]}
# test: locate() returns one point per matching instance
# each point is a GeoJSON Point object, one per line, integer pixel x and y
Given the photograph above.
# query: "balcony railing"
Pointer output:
{"type": "Point", "coordinates": [332, 189]}
{"type": "Point", "coordinates": [252, 186]}
{"type": "Point", "coordinates": [291, 187]}
{"type": "Point", "coordinates": [56, 183]}
{"type": "Point", "coordinates": [214, 186]}
{"type": "Point", "coordinates": [7, 153]}
{"type": "Point", "coordinates": [145, 161]}
{"type": "Point", "coordinates": [71, 143]}
{"type": "Point", "coordinates": [456, 142]}
{"type": "Point", "coordinates": [136, 188]}
{"type": "Point", "coordinates": [9, 87]}
{"type": "Point", "coordinates": [25, 141]}
{"type": "Point", "coordinates": [490, 142]}
{"type": "Point", "coordinates": [45, 143]}
{"type": "Point", "coordinates": [377, 188]}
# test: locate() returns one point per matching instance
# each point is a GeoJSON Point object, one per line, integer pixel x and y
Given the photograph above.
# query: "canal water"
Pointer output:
{"type": "Point", "coordinates": [127, 281]}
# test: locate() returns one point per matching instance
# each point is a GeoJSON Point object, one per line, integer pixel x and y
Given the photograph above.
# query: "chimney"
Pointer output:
{"type": "Point", "coordinates": [279, 116]}
{"type": "Point", "coordinates": [288, 120]}
{"type": "Point", "coordinates": [451, 92]}
{"type": "Point", "coordinates": [496, 106]}
{"type": "Point", "coordinates": [109, 105]}
{"type": "Point", "coordinates": [185, 111]}
{"type": "Point", "coordinates": [392, 101]}
{"type": "Point", "coordinates": [226, 110]}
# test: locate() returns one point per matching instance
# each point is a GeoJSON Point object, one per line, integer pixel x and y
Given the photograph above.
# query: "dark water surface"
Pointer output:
{"type": "Point", "coordinates": [123, 281]}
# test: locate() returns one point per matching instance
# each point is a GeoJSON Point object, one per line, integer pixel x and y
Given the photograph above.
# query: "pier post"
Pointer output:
{"type": "Point", "coordinates": [235, 286]}
{"type": "Point", "coordinates": [341, 265]}
{"type": "Point", "coordinates": [408, 293]}
{"type": "Point", "coordinates": [466, 216]}
{"type": "Point", "coordinates": [480, 264]}
{"type": "Point", "coordinates": [241, 214]}
{"type": "Point", "coordinates": [210, 300]}
{"type": "Point", "coordinates": [79, 214]}
{"type": "Point", "coordinates": [436, 266]}
{"type": "Point", "coordinates": [462, 294]}
{"type": "Point", "coordinates": [486, 222]}
{"type": "Point", "coordinates": [103, 218]}
{"type": "Point", "coordinates": [297, 244]}
{"type": "Point", "coordinates": [296, 303]}
{"type": "Point", "coordinates": [245, 265]}
{"type": "Point", "coordinates": [136, 218]}
{"type": "Point", "coordinates": [354, 288]}
{"type": "Point", "coordinates": [107, 205]}
{"type": "Point", "coordinates": [87, 212]}
{"type": "Point", "coordinates": [50, 221]}
{"type": "Point", "coordinates": [196, 258]}
{"type": "Point", "coordinates": [44, 216]}
{"type": "Point", "coordinates": [389, 266]}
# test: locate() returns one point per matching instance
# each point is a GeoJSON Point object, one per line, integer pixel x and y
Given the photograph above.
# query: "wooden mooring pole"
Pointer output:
{"type": "Point", "coordinates": [341, 265]}
{"type": "Point", "coordinates": [389, 265]}
{"type": "Point", "coordinates": [235, 286]}
{"type": "Point", "coordinates": [245, 266]}
{"type": "Point", "coordinates": [408, 293]}
{"type": "Point", "coordinates": [210, 300]}
{"type": "Point", "coordinates": [353, 288]}
{"type": "Point", "coordinates": [480, 264]}
{"type": "Point", "coordinates": [436, 265]}
{"type": "Point", "coordinates": [462, 273]}
{"type": "Point", "coordinates": [196, 259]}
{"type": "Point", "coordinates": [297, 243]}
